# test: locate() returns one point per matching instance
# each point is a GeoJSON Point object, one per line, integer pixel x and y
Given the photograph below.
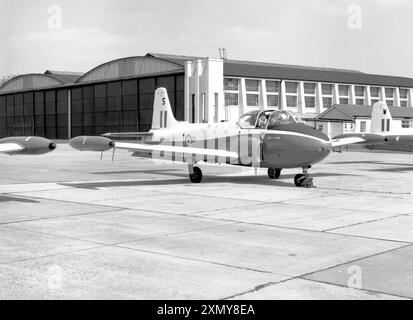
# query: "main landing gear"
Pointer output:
{"type": "Point", "coordinates": [274, 173]}
{"type": "Point", "coordinates": [304, 180]}
{"type": "Point", "coordinates": [195, 174]}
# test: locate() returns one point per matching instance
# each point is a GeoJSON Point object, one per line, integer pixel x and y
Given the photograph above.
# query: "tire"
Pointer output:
{"type": "Point", "coordinates": [196, 175]}
{"type": "Point", "coordinates": [298, 180]}
{"type": "Point", "coordinates": [274, 173]}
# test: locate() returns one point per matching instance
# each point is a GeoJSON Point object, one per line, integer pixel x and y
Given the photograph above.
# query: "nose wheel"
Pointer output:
{"type": "Point", "coordinates": [195, 174]}
{"type": "Point", "coordinates": [274, 173]}
{"type": "Point", "coordinates": [304, 180]}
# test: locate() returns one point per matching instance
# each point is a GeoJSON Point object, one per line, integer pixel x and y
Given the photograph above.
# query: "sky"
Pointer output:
{"type": "Point", "coordinates": [373, 36]}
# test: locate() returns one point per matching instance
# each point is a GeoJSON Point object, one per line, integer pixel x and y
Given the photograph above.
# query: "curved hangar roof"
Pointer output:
{"type": "Point", "coordinates": [119, 68]}
{"type": "Point", "coordinates": [37, 81]}
{"type": "Point", "coordinates": [131, 66]}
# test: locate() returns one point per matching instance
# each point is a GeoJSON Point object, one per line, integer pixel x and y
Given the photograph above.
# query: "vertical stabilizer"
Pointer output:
{"type": "Point", "coordinates": [162, 112]}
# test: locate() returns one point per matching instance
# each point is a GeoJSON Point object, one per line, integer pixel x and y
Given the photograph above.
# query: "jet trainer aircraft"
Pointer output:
{"type": "Point", "coordinates": [273, 139]}
{"type": "Point", "coordinates": [26, 145]}
{"type": "Point", "coordinates": [384, 133]}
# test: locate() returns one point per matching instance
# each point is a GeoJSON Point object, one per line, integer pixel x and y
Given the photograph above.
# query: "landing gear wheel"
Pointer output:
{"type": "Point", "coordinates": [196, 175]}
{"type": "Point", "coordinates": [303, 180]}
{"type": "Point", "coordinates": [298, 180]}
{"type": "Point", "coordinates": [274, 173]}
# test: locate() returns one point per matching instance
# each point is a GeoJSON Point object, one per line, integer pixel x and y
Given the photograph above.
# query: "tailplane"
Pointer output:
{"type": "Point", "coordinates": [163, 117]}
{"type": "Point", "coordinates": [381, 119]}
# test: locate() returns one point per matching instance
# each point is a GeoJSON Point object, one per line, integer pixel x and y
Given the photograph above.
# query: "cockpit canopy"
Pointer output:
{"type": "Point", "coordinates": [268, 119]}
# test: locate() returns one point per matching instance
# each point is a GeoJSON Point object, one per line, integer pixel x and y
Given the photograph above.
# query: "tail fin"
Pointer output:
{"type": "Point", "coordinates": [381, 118]}
{"type": "Point", "coordinates": [162, 113]}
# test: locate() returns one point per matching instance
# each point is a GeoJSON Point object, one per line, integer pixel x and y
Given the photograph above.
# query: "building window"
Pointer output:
{"type": "Point", "coordinates": [389, 96]}
{"type": "Point", "coordinates": [327, 102]}
{"type": "Point", "coordinates": [272, 86]}
{"type": "Point", "coordinates": [291, 101]}
{"type": "Point", "coordinates": [231, 99]}
{"type": "Point", "coordinates": [327, 92]}
{"type": "Point", "coordinates": [363, 126]}
{"type": "Point", "coordinates": [309, 102]}
{"type": "Point", "coordinates": [231, 90]}
{"type": "Point", "coordinates": [343, 93]}
{"type": "Point", "coordinates": [359, 92]}
{"type": "Point", "coordinates": [309, 95]}
{"type": "Point", "coordinates": [404, 97]}
{"type": "Point", "coordinates": [252, 87]}
{"type": "Point", "coordinates": [273, 100]}
{"type": "Point", "coordinates": [375, 94]}
{"type": "Point", "coordinates": [291, 92]}
{"type": "Point", "coordinates": [407, 124]}
{"type": "Point", "coordinates": [231, 84]}
{"type": "Point", "coordinates": [273, 90]}
{"type": "Point", "coordinates": [253, 100]}
{"type": "Point", "coordinates": [349, 127]}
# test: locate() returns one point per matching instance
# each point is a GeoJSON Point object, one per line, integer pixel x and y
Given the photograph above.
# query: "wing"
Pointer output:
{"type": "Point", "coordinates": [346, 141]}
{"type": "Point", "coordinates": [164, 150]}
{"type": "Point", "coordinates": [360, 138]}
{"type": "Point", "coordinates": [10, 147]}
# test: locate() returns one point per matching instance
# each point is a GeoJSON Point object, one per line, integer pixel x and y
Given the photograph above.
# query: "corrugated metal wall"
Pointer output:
{"type": "Point", "coordinates": [116, 106]}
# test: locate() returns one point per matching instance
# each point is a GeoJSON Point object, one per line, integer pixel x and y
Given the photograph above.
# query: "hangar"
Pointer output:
{"type": "Point", "coordinates": [117, 96]}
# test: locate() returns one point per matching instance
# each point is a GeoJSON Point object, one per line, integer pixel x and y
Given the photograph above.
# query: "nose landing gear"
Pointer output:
{"type": "Point", "coordinates": [304, 180]}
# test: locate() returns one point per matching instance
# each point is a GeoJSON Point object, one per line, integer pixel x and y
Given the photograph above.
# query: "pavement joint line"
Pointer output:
{"type": "Point", "coordinates": [302, 229]}
{"type": "Point", "coordinates": [365, 222]}
{"type": "Point", "coordinates": [204, 261]}
{"type": "Point", "coordinates": [370, 237]}
{"type": "Point", "coordinates": [366, 191]}
{"type": "Point", "coordinates": [58, 217]}
{"type": "Point", "coordinates": [210, 218]}
{"type": "Point", "coordinates": [8, 263]}
{"type": "Point", "coordinates": [255, 289]}
{"type": "Point", "coordinates": [361, 289]}
{"type": "Point", "coordinates": [267, 285]}
{"type": "Point", "coordinates": [314, 206]}
{"type": "Point", "coordinates": [68, 201]}
{"type": "Point", "coordinates": [116, 244]}
{"type": "Point", "coordinates": [97, 203]}
{"type": "Point", "coordinates": [121, 208]}
{"type": "Point", "coordinates": [166, 235]}
{"type": "Point", "coordinates": [100, 246]}
{"type": "Point", "coordinates": [67, 184]}
{"type": "Point", "coordinates": [303, 276]}
{"type": "Point", "coordinates": [353, 261]}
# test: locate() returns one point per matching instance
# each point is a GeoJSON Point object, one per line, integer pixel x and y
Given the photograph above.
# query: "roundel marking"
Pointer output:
{"type": "Point", "coordinates": [189, 140]}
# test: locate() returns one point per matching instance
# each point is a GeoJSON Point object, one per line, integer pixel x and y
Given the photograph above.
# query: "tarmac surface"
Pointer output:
{"type": "Point", "coordinates": [75, 227]}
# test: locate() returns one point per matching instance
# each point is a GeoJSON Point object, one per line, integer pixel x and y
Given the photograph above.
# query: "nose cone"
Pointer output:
{"type": "Point", "coordinates": [294, 149]}
{"type": "Point", "coordinates": [52, 146]}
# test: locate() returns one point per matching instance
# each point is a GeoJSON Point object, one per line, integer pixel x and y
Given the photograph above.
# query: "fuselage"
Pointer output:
{"type": "Point", "coordinates": [286, 146]}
